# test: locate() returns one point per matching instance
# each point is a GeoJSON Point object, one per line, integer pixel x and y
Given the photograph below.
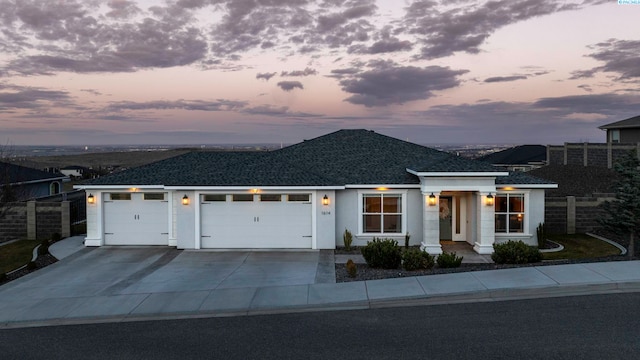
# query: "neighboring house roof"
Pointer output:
{"type": "Point", "coordinates": [16, 174]}
{"type": "Point", "coordinates": [518, 155]}
{"type": "Point", "coordinates": [345, 157]}
{"type": "Point", "coordinates": [633, 122]}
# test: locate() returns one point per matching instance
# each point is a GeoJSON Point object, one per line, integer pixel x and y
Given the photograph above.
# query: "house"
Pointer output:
{"type": "Point", "coordinates": [304, 196]}
{"type": "Point", "coordinates": [518, 158]}
{"type": "Point", "coordinates": [624, 131]}
{"type": "Point", "coordinates": [74, 171]}
{"type": "Point", "coordinates": [27, 183]}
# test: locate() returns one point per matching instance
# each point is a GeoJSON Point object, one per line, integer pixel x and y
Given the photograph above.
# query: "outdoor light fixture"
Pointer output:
{"type": "Point", "coordinates": [432, 200]}
{"type": "Point", "coordinates": [325, 200]}
{"type": "Point", "coordinates": [185, 200]}
{"type": "Point", "coordinates": [91, 199]}
{"type": "Point", "coordinates": [489, 200]}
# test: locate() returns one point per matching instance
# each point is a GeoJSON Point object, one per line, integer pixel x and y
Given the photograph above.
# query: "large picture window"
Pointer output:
{"type": "Point", "coordinates": [510, 213]}
{"type": "Point", "coordinates": [382, 213]}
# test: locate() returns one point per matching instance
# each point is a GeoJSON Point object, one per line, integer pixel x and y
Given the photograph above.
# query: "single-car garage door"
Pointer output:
{"type": "Point", "coordinates": [260, 221]}
{"type": "Point", "coordinates": [136, 219]}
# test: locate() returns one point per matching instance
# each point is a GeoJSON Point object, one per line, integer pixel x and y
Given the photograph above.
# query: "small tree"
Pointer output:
{"type": "Point", "coordinates": [622, 216]}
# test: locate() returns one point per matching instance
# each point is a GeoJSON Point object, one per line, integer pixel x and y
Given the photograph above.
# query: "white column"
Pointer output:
{"type": "Point", "coordinates": [485, 225]}
{"type": "Point", "coordinates": [431, 225]}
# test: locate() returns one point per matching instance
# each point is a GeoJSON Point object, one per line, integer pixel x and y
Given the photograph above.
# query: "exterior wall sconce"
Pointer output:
{"type": "Point", "coordinates": [325, 200]}
{"type": "Point", "coordinates": [91, 199]}
{"type": "Point", "coordinates": [432, 200]}
{"type": "Point", "coordinates": [489, 200]}
{"type": "Point", "coordinates": [185, 200]}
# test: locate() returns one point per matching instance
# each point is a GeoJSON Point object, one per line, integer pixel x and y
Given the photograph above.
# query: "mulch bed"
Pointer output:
{"type": "Point", "coordinates": [41, 261]}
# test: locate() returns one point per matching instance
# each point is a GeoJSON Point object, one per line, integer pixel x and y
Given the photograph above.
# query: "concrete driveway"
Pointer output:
{"type": "Point", "coordinates": [142, 279]}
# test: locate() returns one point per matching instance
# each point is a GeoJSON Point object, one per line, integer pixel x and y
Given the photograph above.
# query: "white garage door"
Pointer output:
{"type": "Point", "coordinates": [263, 221]}
{"type": "Point", "coordinates": [136, 219]}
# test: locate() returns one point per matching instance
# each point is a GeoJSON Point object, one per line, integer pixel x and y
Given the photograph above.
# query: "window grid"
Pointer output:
{"type": "Point", "coordinates": [509, 213]}
{"type": "Point", "coordinates": [382, 213]}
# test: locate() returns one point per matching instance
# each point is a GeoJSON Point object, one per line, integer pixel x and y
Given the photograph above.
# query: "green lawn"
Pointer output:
{"type": "Point", "coordinates": [580, 246]}
{"type": "Point", "coordinates": [16, 254]}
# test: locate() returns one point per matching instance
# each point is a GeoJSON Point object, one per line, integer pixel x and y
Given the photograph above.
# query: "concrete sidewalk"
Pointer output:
{"type": "Point", "coordinates": [160, 283]}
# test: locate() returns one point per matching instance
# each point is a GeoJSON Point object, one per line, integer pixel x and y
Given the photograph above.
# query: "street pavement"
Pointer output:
{"type": "Point", "coordinates": [113, 284]}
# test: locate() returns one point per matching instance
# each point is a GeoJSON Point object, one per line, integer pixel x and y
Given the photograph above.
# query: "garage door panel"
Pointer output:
{"type": "Point", "coordinates": [268, 225]}
{"type": "Point", "coordinates": [136, 221]}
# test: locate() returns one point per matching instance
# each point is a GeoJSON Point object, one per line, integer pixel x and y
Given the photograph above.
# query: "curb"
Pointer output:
{"type": "Point", "coordinates": [623, 250]}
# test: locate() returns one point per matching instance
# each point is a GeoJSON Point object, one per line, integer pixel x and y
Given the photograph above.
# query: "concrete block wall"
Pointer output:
{"type": "Point", "coordinates": [13, 223]}
{"type": "Point", "coordinates": [589, 154]}
{"type": "Point", "coordinates": [570, 214]}
{"type": "Point", "coordinates": [35, 220]}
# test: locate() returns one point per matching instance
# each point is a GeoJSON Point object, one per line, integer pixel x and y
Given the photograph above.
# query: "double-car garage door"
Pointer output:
{"type": "Point", "coordinates": [254, 221]}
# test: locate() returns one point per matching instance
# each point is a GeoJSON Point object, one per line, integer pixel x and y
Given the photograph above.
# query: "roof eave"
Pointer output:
{"type": "Point", "coordinates": [458, 174]}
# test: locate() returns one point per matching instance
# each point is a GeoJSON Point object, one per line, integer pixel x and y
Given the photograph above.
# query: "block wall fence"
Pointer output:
{"type": "Point", "coordinates": [589, 154]}
{"type": "Point", "coordinates": [571, 214]}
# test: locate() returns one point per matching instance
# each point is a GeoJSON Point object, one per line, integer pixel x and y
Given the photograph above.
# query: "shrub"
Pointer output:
{"type": "Point", "coordinates": [414, 259]}
{"type": "Point", "coordinates": [541, 233]}
{"type": "Point", "coordinates": [44, 248]}
{"type": "Point", "coordinates": [3, 277]}
{"type": "Point", "coordinates": [31, 265]}
{"type": "Point", "coordinates": [352, 269]}
{"type": "Point", "coordinates": [55, 237]}
{"type": "Point", "coordinates": [347, 238]}
{"type": "Point", "coordinates": [407, 237]}
{"type": "Point", "coordinates": [515, 252]}
{"type": "Point", "coordinates": [382, 253]}
{"type": "Point", "coordinates": [449, 260]}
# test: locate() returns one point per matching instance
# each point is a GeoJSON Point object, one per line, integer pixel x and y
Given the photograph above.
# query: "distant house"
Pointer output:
{"type": "Point", "coordinates": [624, 131]}
{"type": "Point", "coordinates": [518, 158]}
{"type": "Point", "coordinates": [26, 183]}
{"type": "Point", "coordinates": [306, 195]}
{"type": "Point", "coordinates": [75, 171]}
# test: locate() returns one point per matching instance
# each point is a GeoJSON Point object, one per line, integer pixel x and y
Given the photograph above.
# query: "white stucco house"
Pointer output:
{"type": "Point", "coordinates": [304, 196]}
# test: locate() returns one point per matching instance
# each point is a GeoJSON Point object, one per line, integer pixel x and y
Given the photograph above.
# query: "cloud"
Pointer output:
{"type": "Point", "coordinates": [585, 87]}
{"type": "Point", "coordinates": [305, 72]}
{"type": "Point", "coordinates": [290, 85]}
{"type": "Point", "coordinates": [619, 56]}
{"type": "Point", "coordinates": [606, 104]}
{"type": "Point", "coordinates": [278, 111]}
{"type": "Point", "coordinates": [464, 28]}
{"type": "Point", "coordinates": [265, 76]}
{"type": "Point", "coordinates": [91, 91]}
{"type": "Point", "coordinates": [504, 78]}
{"type": "Point", "coordinates": [191, 105]}
{"type": "Point", "coordinates": [387, 83]}
{"type": "Point", "coordinates": [32, 98]}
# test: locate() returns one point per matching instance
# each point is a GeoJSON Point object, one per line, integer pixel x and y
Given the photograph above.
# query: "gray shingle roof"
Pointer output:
{"type": "Point", "coordinates": [633, 122]}
{"type": "Point", "coordinates": [345, 157]}
{"type": "Point", "coordinates": [523, 154]}
{"type": "Point", "coordinates": [13, 174]}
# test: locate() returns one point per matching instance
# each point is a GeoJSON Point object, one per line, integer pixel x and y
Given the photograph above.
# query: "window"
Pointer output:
{"type": "Point", "coordinates": [242, 197]}
{"type": "Point", "coordinates": [509, 212]}
{"type": "Point", "coordinates": [120, 196]}
{"type": "Point", "coordinates": [382, 213]}
{"type": "Point", "coordinates": [615, 136]}
{"type": "Point", "coordinates": [154, 196]}
{"type": "Point", "coordinates": [270, 197]}
{"type": "Point", "coordinates": [298, 197]}
{"type": "Point", "coordinates": [215, 197]}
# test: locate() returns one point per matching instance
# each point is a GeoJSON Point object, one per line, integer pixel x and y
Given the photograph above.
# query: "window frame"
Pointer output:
{"type": "Point", "coordinates": [403, 214]}
{"type": "Point", "coordinates": [507, 213]}
{"type": "Point", "coordinates": [615, 136]}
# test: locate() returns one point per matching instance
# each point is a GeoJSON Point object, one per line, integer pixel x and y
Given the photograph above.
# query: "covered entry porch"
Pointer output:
{"type": "Point", "coordinates": [458, 209]}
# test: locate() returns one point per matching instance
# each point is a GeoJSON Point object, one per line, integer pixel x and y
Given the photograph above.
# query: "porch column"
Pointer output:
{"type": "Point", "coordinates": [485, 225]}
{"type": "Point", "coordinates": [431, 225]}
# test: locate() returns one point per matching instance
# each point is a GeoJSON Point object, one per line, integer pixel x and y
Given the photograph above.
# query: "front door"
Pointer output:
{"type": "Point", "coordinates": [445, 218]}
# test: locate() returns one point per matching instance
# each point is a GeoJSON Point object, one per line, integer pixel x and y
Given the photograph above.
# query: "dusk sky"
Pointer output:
{"type": "Point", "coordinates": [85, 72]}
